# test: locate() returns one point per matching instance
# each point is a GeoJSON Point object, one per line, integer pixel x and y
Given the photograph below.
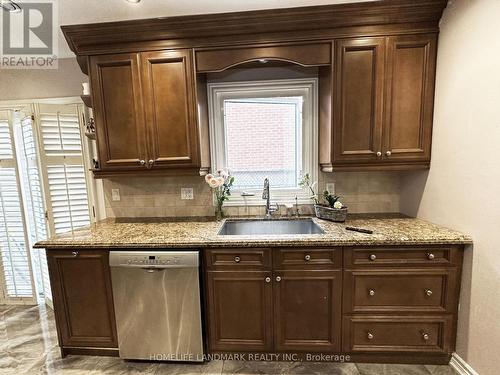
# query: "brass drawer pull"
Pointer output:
{"type": "Point", "coordinates": [268, 279]}
{"type": "Point", "coordinates": [428, 292]}
{"type": "Point", "coordinates": [307, 257]}
{"type": "Point", "coordinates": [425, 336]}
{"type": "Point", "coordinates": [278, 278]}
{"type": "Point", "coordinates": [74, 253]}
{"type": "Point", "coordinates": [371, 292]}
{"type": "Point", "coordinates": [369, 336]}
{"type": "Point", "coordinates": [237, 259]}
{"type": "Point", "coordinates": [373, 257]}
{"type": "Point", "coordinates": [430, 256]}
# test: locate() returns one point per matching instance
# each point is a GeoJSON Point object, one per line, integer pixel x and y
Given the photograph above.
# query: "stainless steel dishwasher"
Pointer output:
{"type": "Point", "coordinates": [157, 304]}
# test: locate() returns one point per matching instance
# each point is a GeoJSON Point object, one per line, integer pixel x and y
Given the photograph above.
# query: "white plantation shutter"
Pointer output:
{"type": "Point", "coordinates": [68, 195]}
{"type": "Point", "coordinates": [60, 133]}
{"type": "Point", "coordinates": [62, 159]}
{"type": "Point", "coordinates": [43, 192]}
{"type": "Point", "coordinates": [15, 259]}
{"type": "Point", "coordinates": [5, 140]}
{"type": "Point", "coordinates": [32, 185]}
{"type": "Point", "coordinates": [17, 273]}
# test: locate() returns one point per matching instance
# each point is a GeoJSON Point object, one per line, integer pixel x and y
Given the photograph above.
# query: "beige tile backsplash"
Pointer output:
{"type": "Point", "coordinates": [160, 196]}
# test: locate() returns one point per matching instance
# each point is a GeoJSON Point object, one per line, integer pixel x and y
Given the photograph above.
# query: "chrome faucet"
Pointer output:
{"type": "Point", "coordinates": [270, 208]}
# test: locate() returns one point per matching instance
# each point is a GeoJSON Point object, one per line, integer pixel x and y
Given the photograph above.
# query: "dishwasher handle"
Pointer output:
{"type": "Point", "coordinates": [152, 269]}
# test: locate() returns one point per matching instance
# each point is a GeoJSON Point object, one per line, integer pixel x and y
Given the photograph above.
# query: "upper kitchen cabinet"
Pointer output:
{"type": "Point", "coordinates": [169, 101]}
{"type": "Point", "coordinates": [145, 111]}
{"type": "Point", "coordinates": [358, 100]}
{"type": "Point", "coordinates": [411, 67]}
{"type": "Point", "coordinates": [383, 102]}
{"type": "Point", "coordinates": [116, 90]}
{"type": "Point", "coordinates": [375, 63]}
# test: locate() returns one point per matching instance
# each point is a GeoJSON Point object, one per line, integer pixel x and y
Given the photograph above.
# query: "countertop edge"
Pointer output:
{"type": "Point", "coordinates": [71, 245]}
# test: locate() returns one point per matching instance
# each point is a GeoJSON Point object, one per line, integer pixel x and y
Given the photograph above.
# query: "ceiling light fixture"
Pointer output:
{"type": "Point", "coordinates": [10, 6]}
{"type": "Point", "coordinates": [134, 1]}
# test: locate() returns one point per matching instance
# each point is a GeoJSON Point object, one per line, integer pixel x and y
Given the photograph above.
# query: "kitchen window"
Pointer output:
{"type": "Point", "coordinates": [265, 129]}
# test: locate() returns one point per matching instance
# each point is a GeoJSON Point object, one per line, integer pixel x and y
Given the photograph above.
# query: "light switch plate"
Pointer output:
{"type": "Point", "coordinates": [331, 188]}
{"type": "Point", "coordinates": [115, 194]}
{"type": "Point", "coordinates": [187, 193]}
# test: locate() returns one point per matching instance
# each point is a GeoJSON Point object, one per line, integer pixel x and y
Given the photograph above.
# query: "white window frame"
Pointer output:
{"type": "Point", "coordinates": [305, 87]}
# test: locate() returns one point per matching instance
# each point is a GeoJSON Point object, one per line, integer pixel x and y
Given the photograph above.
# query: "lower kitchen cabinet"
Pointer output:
{"type": "Point", "coordinates": [83, 301]}
{"type": "Point", "coordinates": [240, 310]}
{"type": "Point", "coordinates": [307, 310]}
{"type": "Point", "coordinates": [294, 305]}
{"type": "Point", "coordinates": [388, 304]}
{"type": "Point", "coordinates": [398, 334]}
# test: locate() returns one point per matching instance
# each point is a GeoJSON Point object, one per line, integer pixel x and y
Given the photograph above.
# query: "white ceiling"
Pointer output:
{"type": "Point", "coordinates": [89, 11]}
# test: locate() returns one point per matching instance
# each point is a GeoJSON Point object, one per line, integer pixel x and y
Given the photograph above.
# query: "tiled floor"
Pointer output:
{"type": "Point", "coordinates": [28, 345]}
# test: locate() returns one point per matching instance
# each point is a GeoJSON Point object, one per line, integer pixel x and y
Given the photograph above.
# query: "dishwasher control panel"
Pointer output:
{"type": "Point", "coordinates": [153, 259]}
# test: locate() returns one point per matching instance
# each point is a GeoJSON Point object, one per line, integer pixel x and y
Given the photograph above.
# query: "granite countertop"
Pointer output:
{"type": "Point", "coordinates": [387, 230]}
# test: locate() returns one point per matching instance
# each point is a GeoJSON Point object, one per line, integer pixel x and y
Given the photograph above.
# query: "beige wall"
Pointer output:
{"type": "Point", "coordinates": [462, 188]}
{"type": "Point", "coordinates": [160, 196]}
{"type": "Point", "coordinates": [37, 83]}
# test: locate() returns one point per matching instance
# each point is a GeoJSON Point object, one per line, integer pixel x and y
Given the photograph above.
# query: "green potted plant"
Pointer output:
{"type": "Point", "coordinates": [332, 209]}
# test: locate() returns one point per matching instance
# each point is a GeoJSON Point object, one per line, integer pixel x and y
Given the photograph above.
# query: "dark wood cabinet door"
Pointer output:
{"type": "Point", "coordinates": [170, 108]}
{"type": "Point", "coordinates": [307, 310]}
{"type": "Point", "coordinates": [240, 310]}
{"type": "Point", "coordinates": [83, 300]}
{"type": "Point", "coordinates": [358, 100]}
{"type": "Point", "coordinates": [118, 111]}
{"type": "Point", "coordinates": [410, 96]}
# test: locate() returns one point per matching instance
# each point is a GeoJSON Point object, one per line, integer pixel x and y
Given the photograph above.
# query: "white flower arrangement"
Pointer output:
{"type": "Point", "coordinates": [221, 185]}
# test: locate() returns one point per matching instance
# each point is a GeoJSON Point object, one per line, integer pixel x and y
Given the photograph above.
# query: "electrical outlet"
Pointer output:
{"type": "Point", "coordinates": [115, 194]}
{"type": "Point", "coordinates": [187, 193]}
{"type": "Point", "coordinates": [331, 188]}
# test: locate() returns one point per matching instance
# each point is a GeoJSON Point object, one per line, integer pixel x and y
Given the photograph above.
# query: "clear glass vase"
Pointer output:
{"type": "Point", "coordinates": [219, 212]}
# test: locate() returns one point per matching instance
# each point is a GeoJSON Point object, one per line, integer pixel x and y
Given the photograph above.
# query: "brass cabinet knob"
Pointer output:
{"type": "Point", "coordinates": [369, 336]}
{"type": "Point", "coordinates": [373, 257]}
{"type": "Point", "coordinates": [237, 259]}
{"type": "Point", "coordinates": [142, 162]}
{"type": "Point", "coordinates": [268, 279]}
{"type": "Point", "coordinates": [425, 336]}
{"type": "Point", "coordinates": [151, 161]}
{"type": "Point", "coordinates": [74, 253]}
{"type": "Point", "coordinates": [307, 257]}
{"type": "Point", "coordinates": [371, 292]}
{"type": "Point", "coordinates": [379, 154]}
{"type": "Point", "coordinates": [388, 153]}
{"type": "Point", "coordinates": [430, 256]}
{"type": "Point", "coordinates": [278, 278]}
{"type": "Point", "coordinates": [428, 292]}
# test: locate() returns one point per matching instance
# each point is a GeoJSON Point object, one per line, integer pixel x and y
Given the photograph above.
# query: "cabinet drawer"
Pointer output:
{"type": "Point", "coordinates": [238, 258]}
{"type": "Point", "coordinates": [400, 290]}
{"type": "Point", "coordinates": [298, 258]}
{"type": "Point", "coordinates": [398, 334]}
{"type": "Point", "coordinates": [401, 256]}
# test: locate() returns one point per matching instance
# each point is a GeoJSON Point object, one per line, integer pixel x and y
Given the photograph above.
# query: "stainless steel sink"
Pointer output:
{"type": "Point", "coordinates": [276, 227]}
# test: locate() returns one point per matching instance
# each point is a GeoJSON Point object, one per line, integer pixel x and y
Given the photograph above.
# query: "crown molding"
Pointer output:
{"type": "Point", "coordinates": [273, 25]}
